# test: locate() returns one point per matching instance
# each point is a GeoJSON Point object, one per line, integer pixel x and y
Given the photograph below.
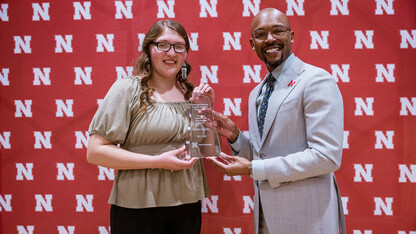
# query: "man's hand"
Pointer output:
{"type": "Point", "coordinates": [231, 165]}
{"type": "Point", "coordinates": [226, 127]}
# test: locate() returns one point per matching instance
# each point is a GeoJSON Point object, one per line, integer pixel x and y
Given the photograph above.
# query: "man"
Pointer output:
{"type": "Point", "coordinates": [295, 145]}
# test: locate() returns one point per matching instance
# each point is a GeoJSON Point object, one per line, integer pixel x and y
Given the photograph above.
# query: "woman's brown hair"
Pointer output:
{"type": "Point", "coordinates": [144, 67]}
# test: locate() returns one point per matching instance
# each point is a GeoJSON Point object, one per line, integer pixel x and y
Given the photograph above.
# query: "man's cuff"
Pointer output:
{"type": "Point", "coordinates": [236, 146]}
{"type": "Point", "coordinates": [257, 170]}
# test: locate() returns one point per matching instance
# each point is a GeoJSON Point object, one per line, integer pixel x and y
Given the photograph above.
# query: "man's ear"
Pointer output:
{"type": "Point", "coordinates": [292, 37]}
{"type": "Point", "coordinates": [252, 44]}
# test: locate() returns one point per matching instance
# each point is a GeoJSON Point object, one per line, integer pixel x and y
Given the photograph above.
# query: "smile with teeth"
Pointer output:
{"type": "Point", "coordinates": [271, 50]}
{"type": "Point", "coordinates": [170, 61]}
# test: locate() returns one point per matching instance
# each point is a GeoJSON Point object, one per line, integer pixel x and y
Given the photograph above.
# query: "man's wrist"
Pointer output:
{"type": "Point", "coordinates": [233, 137]}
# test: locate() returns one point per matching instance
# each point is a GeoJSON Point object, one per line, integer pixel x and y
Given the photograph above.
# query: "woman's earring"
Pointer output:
{"type": "Point", "coordinates": [184, 71]}
{"type": "Point", "coordinates": [148, 64]}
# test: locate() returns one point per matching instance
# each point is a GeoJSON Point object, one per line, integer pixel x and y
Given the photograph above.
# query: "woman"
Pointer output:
{"type": "Point", "coordinates": [154, 191]}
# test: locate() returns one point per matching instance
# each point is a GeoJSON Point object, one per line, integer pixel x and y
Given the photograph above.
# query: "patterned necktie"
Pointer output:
{"type": "Point", "coordinates": [263, 106]}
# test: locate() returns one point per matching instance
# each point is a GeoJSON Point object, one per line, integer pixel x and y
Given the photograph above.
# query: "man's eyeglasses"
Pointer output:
{"type": "Point", "coordinates": [164, 46]}
{"type": "Point", "coordinates": [276, 32]}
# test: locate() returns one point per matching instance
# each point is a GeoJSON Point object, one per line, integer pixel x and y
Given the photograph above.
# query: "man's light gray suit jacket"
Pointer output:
{"type": "Point", "coordinates": [302, 147]}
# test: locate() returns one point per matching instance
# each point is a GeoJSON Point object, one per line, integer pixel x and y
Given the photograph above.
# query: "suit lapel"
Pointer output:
{"type": "Point", "coordinates": [288, 82]}
{"type": "Point", "coordinates": [253, 124]}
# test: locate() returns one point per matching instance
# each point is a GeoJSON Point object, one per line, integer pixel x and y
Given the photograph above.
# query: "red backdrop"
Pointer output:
{"type": "Point", "coordinates": [59, 58]}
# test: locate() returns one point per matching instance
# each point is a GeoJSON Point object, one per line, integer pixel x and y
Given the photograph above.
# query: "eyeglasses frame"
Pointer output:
{"type": "Point", "coordinates": [156, 43]}
{"type": "Point", "coordinates": [269, 32]}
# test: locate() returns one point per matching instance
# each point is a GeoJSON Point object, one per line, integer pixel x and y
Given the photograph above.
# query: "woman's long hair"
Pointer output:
{"type": "Point", "coordinates": [143, 67]}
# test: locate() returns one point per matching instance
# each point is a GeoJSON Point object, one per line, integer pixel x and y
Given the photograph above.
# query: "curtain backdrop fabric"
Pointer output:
{"type": "Point", "coordinates": [59, 58]}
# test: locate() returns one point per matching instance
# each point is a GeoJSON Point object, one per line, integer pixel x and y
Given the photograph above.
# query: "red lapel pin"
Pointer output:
{"type": "Point", "coordinates": [291, 83]}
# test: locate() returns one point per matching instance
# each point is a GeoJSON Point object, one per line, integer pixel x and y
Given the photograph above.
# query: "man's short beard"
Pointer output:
{"type": "Point", "coordinates": [275, 64]}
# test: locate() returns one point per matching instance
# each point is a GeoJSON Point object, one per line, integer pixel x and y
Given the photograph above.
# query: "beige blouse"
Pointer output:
{"type": "Point", "coordinates": [161, 128]}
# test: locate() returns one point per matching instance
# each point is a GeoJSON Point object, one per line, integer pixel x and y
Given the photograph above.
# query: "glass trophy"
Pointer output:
{"type": "Point", "coordinates": [202, 138]}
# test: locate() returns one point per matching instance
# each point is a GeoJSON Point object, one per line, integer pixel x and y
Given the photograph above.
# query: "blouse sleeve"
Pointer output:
{"type": "Point", "coordinates": [112, 119]}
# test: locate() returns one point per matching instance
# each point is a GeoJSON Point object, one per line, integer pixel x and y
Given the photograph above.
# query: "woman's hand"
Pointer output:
{"type": "Point", "coordinates": [170, 161]}
{"type": "Point", "coordinates": [206, 90]}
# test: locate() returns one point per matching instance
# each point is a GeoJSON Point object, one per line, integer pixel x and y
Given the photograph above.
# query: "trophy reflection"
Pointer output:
{"type": "Point", "coordinates": [202, 138]}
